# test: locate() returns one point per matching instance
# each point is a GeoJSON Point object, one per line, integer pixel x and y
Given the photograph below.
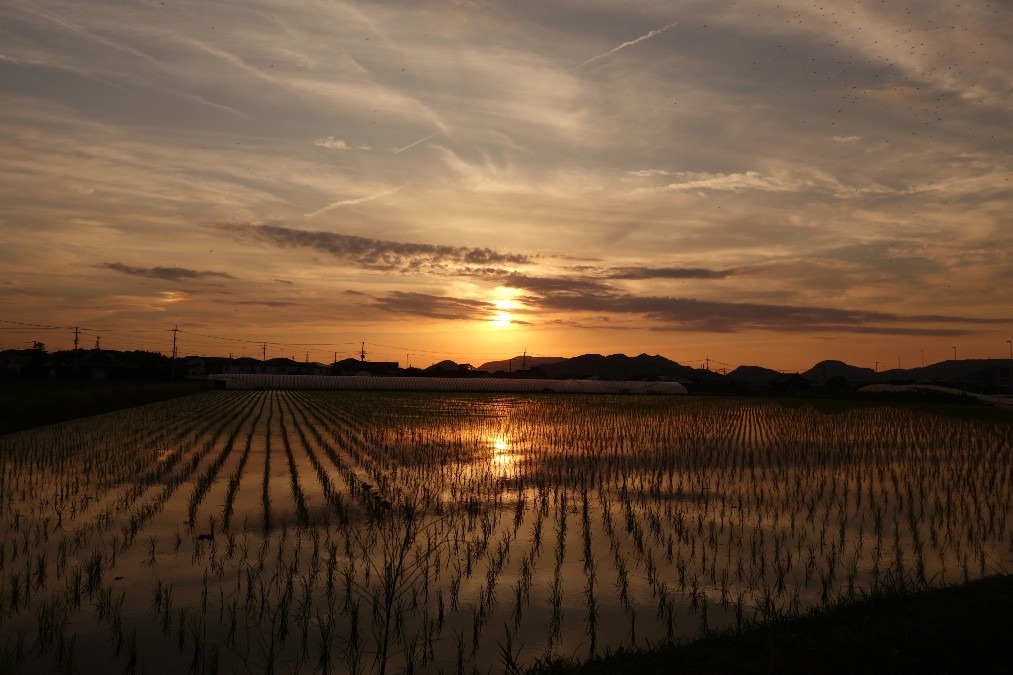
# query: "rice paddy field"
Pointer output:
{"type": "Point", "coordinates": [369, 532]}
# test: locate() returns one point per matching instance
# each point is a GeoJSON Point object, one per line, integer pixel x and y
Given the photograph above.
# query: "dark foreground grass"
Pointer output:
{"type": "Point", "coordinates": [944, 405]}
{"type": "Point", "coordinates": [960, 629]}
{"type": "Point", "coordinates": [27, 402]}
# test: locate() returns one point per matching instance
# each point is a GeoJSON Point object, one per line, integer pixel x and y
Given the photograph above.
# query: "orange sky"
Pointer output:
{"type": "Point", "coordinates": [769, 183]}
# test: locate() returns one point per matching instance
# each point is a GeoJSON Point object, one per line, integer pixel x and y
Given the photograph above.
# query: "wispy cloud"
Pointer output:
{"type": "Point", "coordinates": [167, 273]}
{"type": "Point", "coordinates": [646, 36]}
{"type": "Point", "coordinates": [353, 201]}
{"type": "Point", "coordinates": [368, 253]}
{"type": "Point", "coordinates": [747, 180]}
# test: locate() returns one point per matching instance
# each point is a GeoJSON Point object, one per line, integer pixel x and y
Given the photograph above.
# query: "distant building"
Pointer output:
{"type": "Point", "coordinates": [279, 366]}
{"type": "Point", "coordinates": [790, 383]}
{"type": "Point", "coordinates": [357, 367]}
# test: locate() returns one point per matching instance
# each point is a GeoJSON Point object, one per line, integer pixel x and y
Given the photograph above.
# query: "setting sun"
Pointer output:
{"type": "Point", "coordinates": [503, 318]}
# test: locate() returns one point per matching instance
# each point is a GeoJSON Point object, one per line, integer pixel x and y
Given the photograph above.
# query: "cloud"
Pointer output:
{"type": "Point", "coordinates": [558, 286]}
{"type": "Point", "coordinates": [730, 317]}
{"type": "Point", "coordinates": [639, 273]}
{"type": "Point", "coordinates": [435, 306]}
{"type": "Point", "coordinates": [167, 273]}
{"type": "Point", "coordinates": [369, 253]}
{"type": "Point", "coordinates": [734, 182]}
{"type": "Point", "coordinates": [277, 304]}
{"type": "Point", "coordinates": [331, 143]}
{"type": "Point", "coordinates": [590, 281]}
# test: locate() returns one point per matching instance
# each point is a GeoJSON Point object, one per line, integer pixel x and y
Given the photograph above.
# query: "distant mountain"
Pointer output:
{"type": "Point", "coordinates": [519, 362]}
{"type": "Point", "coordinates": [969, 371]}
{"type": "Point", "coordinates": [445, 366]}
{"type": "Point", "coordinates": [617, 367]}
{"type": "Point", "coordinates": [827, 370]}
{"type": "Point", "coordinates": [754, 375]}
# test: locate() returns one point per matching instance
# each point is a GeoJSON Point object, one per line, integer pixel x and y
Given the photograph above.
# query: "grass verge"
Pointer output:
{"type": "Point", "coordinates": [27, 403]}
{"type": "Point", "coordinates": [958, 629]}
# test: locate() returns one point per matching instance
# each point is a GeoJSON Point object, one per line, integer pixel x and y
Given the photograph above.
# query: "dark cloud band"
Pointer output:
{"type": "Point", "coordinates": [166, 273]}
{"type": "Point", "coordinates": [369, 253]}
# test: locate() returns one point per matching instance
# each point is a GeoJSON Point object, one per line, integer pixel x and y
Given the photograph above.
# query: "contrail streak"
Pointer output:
{"type": "Point", "coordinates": [351, 202]}
{"type": "Point", "coordinates": [624, 45]}
{"type": "Point", "coordinates": [412, 145]}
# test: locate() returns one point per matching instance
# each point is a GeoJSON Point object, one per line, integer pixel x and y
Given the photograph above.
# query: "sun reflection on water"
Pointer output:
{"type": "Point", "coordinates": [503, 458]}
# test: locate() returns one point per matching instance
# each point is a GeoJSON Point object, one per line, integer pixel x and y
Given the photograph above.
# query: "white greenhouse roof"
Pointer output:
{"type": "Point", "coordinates": [488, 384]}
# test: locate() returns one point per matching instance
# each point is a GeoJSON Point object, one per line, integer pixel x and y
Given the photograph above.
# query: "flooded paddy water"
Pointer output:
{"type": "Point", "coordinates": [323, 531]}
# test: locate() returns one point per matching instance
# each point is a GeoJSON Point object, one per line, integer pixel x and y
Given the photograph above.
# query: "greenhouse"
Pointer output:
{"type": "Point", "coordinates": [480, 384]}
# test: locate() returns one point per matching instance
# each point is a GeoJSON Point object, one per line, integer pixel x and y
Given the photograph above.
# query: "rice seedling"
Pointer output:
{"type": "Point", "coordinates": [369, 532]}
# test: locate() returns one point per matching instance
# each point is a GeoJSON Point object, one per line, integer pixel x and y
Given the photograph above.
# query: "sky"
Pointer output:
{"type": "Point", "coordinates": [766, 182]}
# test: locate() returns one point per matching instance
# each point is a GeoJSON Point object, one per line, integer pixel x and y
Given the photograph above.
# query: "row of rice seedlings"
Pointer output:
{"type": "Point", "coordinates": [114, 502]}
{"type": "Point", "coordinates": [78, 456]}
{"type": "Point", "coordinates": [73, 540]}
{"type": "Point", "coordinates": [86, 580]}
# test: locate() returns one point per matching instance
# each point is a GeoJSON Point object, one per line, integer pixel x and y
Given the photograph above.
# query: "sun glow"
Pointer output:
{"type": "Point", "coordinates": [503, 318]}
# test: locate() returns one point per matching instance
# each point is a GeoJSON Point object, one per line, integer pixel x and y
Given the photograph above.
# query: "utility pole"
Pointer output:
{"type": "Point", "coordinates": [172, 369]}
{"type": "Point", "coordinates": [707, 363]}
{"type": "Point", "coordinates": [263, 352]}
{"type": "Point", "coordinates": [1010, 343]}
{"type": "Point", "coordinates": [98, 341]}
{"type": "Point", "coordinates": [77, 333]}
{"type": "Point", "coordinates": [362, 352]}
{"type": "Point", "coordinates": [955, 368]}
{"type": "Point", "coordinates": [335, 360]}
{"type": "Point", "coordinates": [525, 361]}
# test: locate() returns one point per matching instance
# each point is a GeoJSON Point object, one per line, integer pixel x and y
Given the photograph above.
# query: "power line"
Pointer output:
{"type": "Point", "coordinates": [185, 339]}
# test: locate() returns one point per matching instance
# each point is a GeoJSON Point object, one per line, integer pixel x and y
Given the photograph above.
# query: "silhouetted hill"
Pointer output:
{"type": "Point", "coordinates": [519, 362]}
{"type": "Point", "coordinates": [617, 367]}
{"type": "Point", "coordinates": [448, 368]}
{"type": "Point", "coordinates": [754, 375]}
{"type": "Point", "coordinates": [979, 372]}
{"type": "Point", "coordinates": [827, 370]}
